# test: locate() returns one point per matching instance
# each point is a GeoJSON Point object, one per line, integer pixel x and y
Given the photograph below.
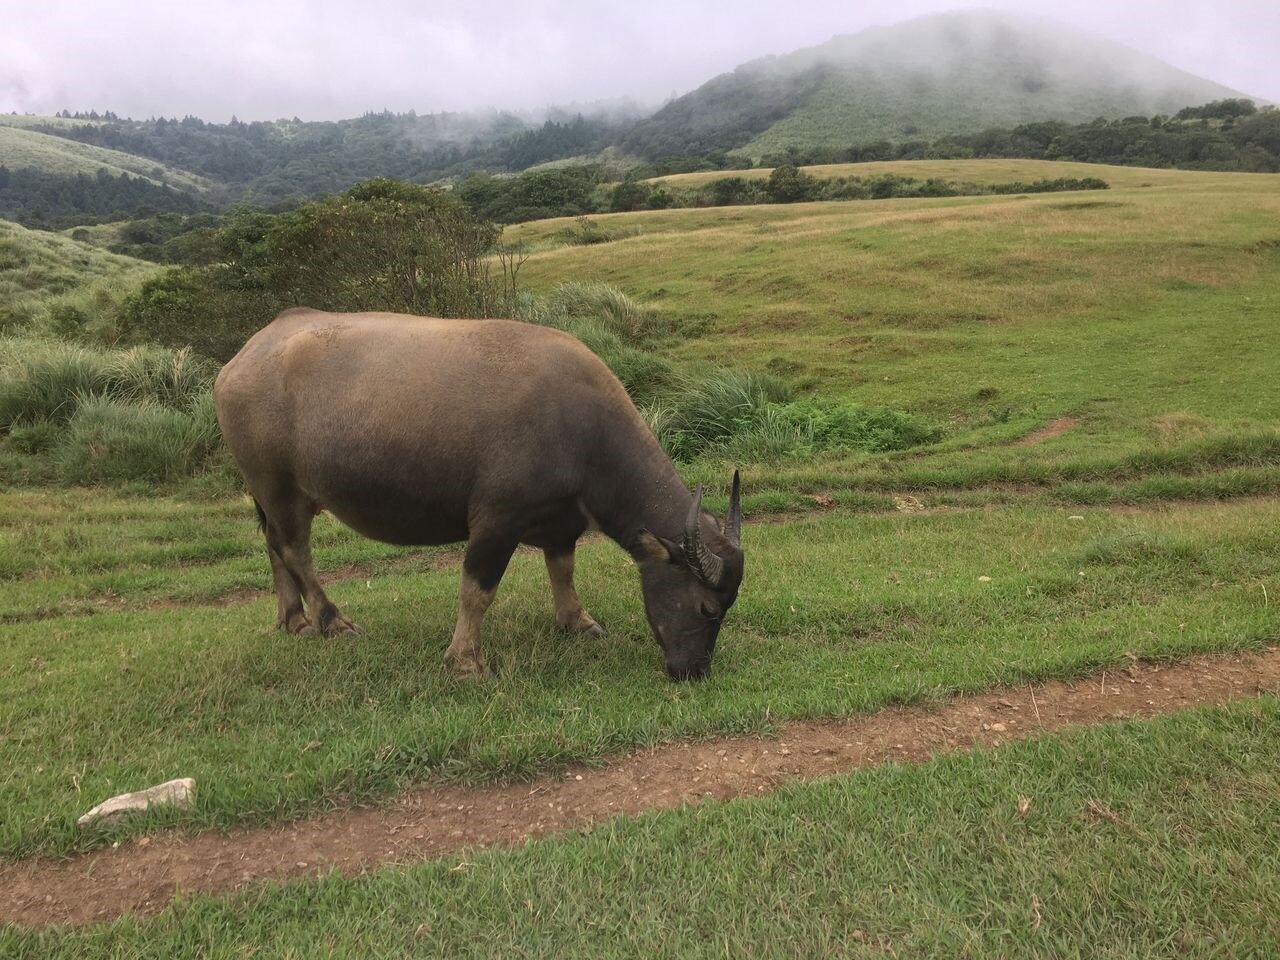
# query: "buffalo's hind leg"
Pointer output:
{"type": "Point", "coordinates": [570, 614]}
{"type": "Point", "coordinates": [287, 524]}
{"type": "Point", "coordinates": [290, 615]}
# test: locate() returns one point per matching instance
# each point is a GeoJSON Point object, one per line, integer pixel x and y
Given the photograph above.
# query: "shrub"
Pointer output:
{"type": "Point", "coordinates": [381, 245]}
{"type": "Point", "coordinates": [789, 184]}
{"type": "Point", "coordinates": [629, 196]}
{"type": "Point", "coordinates": [585, 232]}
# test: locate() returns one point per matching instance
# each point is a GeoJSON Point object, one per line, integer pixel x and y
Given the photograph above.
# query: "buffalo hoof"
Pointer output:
{"type": "Point", "coordinates": [580, 623]}
{"type": "Point", "coordinates": [343, 628]}
{"type": "Point", "coordinates": [467, 667]}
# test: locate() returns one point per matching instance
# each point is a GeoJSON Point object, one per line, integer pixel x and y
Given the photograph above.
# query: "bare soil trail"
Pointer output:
{"type": "Point", "coordinates": [142, 875]}
{"type": "Point", "coordinates": [1054, 428]}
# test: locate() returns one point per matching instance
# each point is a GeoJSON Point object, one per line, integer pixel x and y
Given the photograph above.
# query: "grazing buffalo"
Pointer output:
{"type": "Point", "coordinates": [413, 430]}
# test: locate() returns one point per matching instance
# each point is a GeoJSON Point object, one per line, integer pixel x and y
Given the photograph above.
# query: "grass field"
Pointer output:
{"type": "Point", "coordinates": [21, 147]}
{"type": "Point", "coordinates": [1141, 321]}
{"type": "Point", "coordinates": [995, 314]}
{"type": "Point", "coordinates": [995, 171]}
{"type": "Point", "coordinates": [1147, 839]}
{"type": "Point", "coordinates": [105, 687]}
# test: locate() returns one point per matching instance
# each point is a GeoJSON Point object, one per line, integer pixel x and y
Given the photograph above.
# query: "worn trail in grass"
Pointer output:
{"type": "Point", "coordinates": [142, 876]}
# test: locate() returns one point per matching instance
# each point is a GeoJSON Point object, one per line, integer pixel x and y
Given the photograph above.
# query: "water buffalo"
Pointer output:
{"type": "Point", "coordinates": [413, 430]}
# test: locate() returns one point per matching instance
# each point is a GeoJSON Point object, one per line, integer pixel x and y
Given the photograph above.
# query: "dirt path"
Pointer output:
{"type": "Point", "coordinates": [142, 875]}
{"type": "Point", "coordinates": [1054, 428]}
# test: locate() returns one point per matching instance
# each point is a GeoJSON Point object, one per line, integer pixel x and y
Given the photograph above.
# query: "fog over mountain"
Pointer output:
{"type": "Point", "coordinates": [939, 74]}
{"type": "Point", "coordinates": [328, 59]}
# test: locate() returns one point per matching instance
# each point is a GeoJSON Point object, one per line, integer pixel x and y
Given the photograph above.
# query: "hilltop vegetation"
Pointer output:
{"type": "Point", "coordinates": [934, 76]}
{"type": "Point", "coordinates": [270, 163]}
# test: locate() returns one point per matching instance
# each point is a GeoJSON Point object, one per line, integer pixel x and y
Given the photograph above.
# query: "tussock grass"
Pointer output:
{"type": "Point", "coordinates": [144, 414]}
{"type": "Point", "coordinates": [111, 440]}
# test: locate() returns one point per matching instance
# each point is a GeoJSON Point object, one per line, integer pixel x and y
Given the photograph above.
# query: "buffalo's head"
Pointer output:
{"type": "Point", "coordinates": [689, 586]}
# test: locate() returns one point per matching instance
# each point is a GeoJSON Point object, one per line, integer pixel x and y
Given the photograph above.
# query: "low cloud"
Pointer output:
{"type": "Point", "coordinates": [325, 60]}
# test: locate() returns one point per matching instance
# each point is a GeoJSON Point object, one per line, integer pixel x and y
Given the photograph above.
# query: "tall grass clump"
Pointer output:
{"type": "Point", "coordinates": [171, 377]}
{"type": "Point", "coordinates": [612, 325]}
{"type": "Point", "coordinates": [572, 303]}
{"type": "Point", "coordinates": [42, 381]}
{"type": "Point", "coordinates": [731, 415]}
{"type": "Point", "coordinates": [113, 440]}
{"type": "Point", "coordinates": [46, 380]}
{"type": "Point", "coordinates": [91, 415]}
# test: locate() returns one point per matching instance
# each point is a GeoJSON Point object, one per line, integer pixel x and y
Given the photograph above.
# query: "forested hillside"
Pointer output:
{"type": "Point", "coordinates": [190, 164]}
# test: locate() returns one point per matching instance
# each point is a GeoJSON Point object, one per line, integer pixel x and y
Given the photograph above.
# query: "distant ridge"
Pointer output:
{"type": "Point", "coordinates": [942, 74]}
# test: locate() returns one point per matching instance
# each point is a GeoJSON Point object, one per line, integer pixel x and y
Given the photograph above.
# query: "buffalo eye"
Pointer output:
{"type": "Point", "coordinates": [709, 610]}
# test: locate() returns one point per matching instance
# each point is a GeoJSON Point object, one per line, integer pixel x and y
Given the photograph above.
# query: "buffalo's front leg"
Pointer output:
{"type": "Point", "coordinates": [482, 569]}
{"type": "Point", "coordinates": [570, 614]}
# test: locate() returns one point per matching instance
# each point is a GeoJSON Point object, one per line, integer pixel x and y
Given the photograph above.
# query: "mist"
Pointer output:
{"type": "Point", "coordinates": [328, 60]}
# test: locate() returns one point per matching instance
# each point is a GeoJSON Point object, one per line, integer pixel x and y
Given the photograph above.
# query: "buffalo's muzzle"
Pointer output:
{"type": "Point", "coordinates": [697, 670]}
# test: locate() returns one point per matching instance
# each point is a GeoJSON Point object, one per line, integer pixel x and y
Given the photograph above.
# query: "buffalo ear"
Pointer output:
{"type": "Point", "coordinates": [657, 549]}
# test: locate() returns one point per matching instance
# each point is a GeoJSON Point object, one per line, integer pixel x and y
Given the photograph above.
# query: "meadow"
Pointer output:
{"type": "Point", "coordinates": [1102, 487]}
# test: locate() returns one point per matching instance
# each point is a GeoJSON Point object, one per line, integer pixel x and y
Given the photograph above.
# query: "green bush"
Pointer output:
{"type": "Point", "coordinates": [789, 184]}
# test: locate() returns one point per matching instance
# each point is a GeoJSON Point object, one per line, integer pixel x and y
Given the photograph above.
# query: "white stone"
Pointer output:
{"type": "Point", "coordinates": [175, 793]}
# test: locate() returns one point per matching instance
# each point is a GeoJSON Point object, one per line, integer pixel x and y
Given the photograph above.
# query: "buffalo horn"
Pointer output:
{"type": "Point", "coordinates": [733, 525]}
{"type": "Point", "coordinates": [707, 565]}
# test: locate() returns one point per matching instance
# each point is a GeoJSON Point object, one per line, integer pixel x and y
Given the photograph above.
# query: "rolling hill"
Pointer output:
{"type": "Point", "coordinates": [21, 147]}
{"type": "Point", "coordinates": [919, 79]}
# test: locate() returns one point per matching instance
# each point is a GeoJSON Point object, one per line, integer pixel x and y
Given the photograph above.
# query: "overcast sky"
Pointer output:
{"type": "Point", "coordinates": [324, 59]}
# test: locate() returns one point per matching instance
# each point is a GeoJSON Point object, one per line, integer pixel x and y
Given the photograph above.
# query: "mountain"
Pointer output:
{"type": "Point", "coordinates": [921, 79]}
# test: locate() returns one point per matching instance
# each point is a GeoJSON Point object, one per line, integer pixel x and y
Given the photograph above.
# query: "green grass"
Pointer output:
{"type": "Point", "coordinates": [839, 613]}
{"type": "Point", "coordinates": [52, 154]}
{"type": "Point", "coordinates": [52, 284]}
{"type": "Point", "coordinates": [1147, 314]}
{"type": "Point", "coordinates": [991, 172]}
{"type": "Point", "coordinates": [920, 861]}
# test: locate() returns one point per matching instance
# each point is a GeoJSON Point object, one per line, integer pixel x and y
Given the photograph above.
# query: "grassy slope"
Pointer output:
{"type": "Point", "coordinates": [27, 120]}
{"type": "Point", "coordinates": [907, 862]}
{"type": "Point", "coordinates": [40, 271]}
{"type": "Point", "coordinates": [996, 314]}
{"type": "Point", "coordinates": [842, 613]}
{"type": "Point", "coordinates": [30, 148]}
{"type": "Point", "coordinates": [996, 171]}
